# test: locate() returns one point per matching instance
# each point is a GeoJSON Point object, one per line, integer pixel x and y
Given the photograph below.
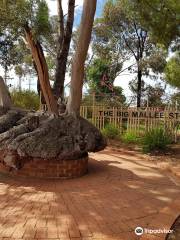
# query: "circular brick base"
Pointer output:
{"type": "Point", "coordinates": [50, 168]}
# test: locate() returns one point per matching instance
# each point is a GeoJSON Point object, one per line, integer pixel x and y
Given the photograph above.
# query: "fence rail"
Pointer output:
{"type": "Point", "coordinates": [137, 120]}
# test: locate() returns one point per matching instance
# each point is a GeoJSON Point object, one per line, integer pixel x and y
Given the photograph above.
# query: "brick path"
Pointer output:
{"type": "Point", "coordinates": [121, 191]}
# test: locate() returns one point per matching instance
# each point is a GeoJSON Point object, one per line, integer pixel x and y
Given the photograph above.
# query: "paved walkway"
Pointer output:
{"type": "Point", "coordinates": [121, 191]}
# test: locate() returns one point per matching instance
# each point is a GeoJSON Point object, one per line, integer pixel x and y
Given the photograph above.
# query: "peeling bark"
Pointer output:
{"type": "Point", "coordinates": [42, 69]}
{"type": "Point", "coordinates": [74, 101]}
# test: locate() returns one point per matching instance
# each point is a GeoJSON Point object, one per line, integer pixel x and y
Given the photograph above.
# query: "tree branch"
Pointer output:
{"type": "Point", "coordinates": [61, 23]}
{"type": "Point", "coordinates": [127, 44]}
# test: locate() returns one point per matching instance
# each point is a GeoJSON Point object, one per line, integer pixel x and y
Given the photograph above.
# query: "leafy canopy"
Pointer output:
{"type": "Point", "coordinates": [160, 18]}
{"type": "Point", "coordinates": [101, 75]}
{"type": "Point", "coordinates": [172, 71]}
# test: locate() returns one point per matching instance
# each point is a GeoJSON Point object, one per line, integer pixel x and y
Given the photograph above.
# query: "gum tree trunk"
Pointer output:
{"type": "Point", "coordinates": [42, 69]}
{"type": "Point", "coordinates": [74, 101]}
{"type": "Point", "coordinates": [63, 46]}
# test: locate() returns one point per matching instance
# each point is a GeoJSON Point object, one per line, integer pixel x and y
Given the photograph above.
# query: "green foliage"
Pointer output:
{"type": "Point", "coordinates": [160, 18]}
{"type": "Point", "coordinates": [95, 73]}
{"type": "Point", "coordinates": [9, 52]}
{"type": "Point", "coordinates": [175, 99]}
{"type": "Point", "coordinates": [155, 60]}
{"type": "Point", "coordinates": [156, 139]}
{"type": "Point", "coordinates": [172, 71]}
{"type": "Point", "coordinates": [111, 131]}
{"type": "Point", "coordinates": [133, 86]}
{"type": "Point", "coordinates": [14, 16]}
{"type": "Point", "coordinates": [101, 78]}
{"type": "Point", "coordinates": [25, 99]}
{"type": "Point", "coordinates": [42, 22]}
{"type": "Point", "coordinates": [19, 71]}
{"type": "Point", "coordinates": [15, 13]}
{"type": "Point", "coordinates": [155, 95]}
{"type": "Point", "coordinates": [130, 137]}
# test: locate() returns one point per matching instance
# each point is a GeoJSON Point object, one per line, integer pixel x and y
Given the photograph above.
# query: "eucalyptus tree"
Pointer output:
{"type": "Point", "coordinates": [123, 30]}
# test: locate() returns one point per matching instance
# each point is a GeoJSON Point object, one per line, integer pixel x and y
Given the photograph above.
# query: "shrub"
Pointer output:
{"type": "Point", "coordinates": [130, 137]}
{"type": "Point", "coordinates": [156, 139]}
{"type": "Point", "coordinates": [25, 99]}
{"type": "Point", "coordinates": [111, 131]}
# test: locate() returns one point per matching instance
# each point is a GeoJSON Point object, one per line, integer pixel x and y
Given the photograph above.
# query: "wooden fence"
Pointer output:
{"type": "Point", "coordinates": [137, 120]}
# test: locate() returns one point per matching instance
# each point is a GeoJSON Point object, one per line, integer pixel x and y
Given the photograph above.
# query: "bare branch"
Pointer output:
{"type": "Point", "coordinates": [61, 23]}
{"type": "Point", "coordinates": [127, 44]}
{"type": "Point", "coordinates": [126, 68]}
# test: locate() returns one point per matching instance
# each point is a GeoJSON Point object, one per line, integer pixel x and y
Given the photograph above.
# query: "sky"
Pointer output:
{"type": "Point", "coordinates": [79, 3]}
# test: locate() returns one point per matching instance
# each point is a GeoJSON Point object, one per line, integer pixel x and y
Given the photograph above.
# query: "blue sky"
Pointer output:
{"type": "Point", "coordinates": [53, 8]}
{"type": "Point", "coordinates": [99, 9]}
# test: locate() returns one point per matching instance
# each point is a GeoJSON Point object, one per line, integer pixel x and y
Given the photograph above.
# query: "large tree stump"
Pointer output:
{"type": "Point", "coordinates": [36, 144]}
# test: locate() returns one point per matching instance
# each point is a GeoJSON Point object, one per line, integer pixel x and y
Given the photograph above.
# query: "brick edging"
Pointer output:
{"type": "Point", "coordinates": [42, 168]}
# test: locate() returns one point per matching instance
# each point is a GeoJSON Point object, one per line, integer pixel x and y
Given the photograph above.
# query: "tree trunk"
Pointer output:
{"type": "Point", "coordinates": [42, 69]}
{"type": "Point", "coordinates": [139, 88]}
{"type": "Point", "coordinates": [40, 93]}
{"type": "Point", "coordinates": [20, 84]}
{"type": "Point", "coordinates": [74, 101]}
{"type": "Point", "coordinates": [63, 46]}
{"type": "Point", "coordinates": [5, 99]}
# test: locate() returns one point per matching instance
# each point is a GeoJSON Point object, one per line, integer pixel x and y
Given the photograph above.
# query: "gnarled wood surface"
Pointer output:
{"type": "Point", "coordinates": [27, 135]}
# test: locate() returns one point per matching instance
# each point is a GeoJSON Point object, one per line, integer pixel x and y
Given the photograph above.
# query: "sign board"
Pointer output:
{"type": "Point", "coordinates": [139, 114]}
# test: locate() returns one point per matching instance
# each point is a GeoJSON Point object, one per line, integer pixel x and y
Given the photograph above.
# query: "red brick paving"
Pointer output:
{"type": "Point", "coordinates": [121, 191]}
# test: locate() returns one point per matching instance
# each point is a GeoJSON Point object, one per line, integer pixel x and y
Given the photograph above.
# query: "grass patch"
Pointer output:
{"type": "Point", "coordinates": [130, 137]}
{"type": "Point", "coordinates": [110, 131]}
{"type": "Point", "coordinates": [25, 99]}
{"type": "Point", "coordinates": [156, 139]}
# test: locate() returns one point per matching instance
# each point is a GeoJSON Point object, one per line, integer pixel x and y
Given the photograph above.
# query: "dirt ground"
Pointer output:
{"type": "Point", "coordinates": [168, 161]}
